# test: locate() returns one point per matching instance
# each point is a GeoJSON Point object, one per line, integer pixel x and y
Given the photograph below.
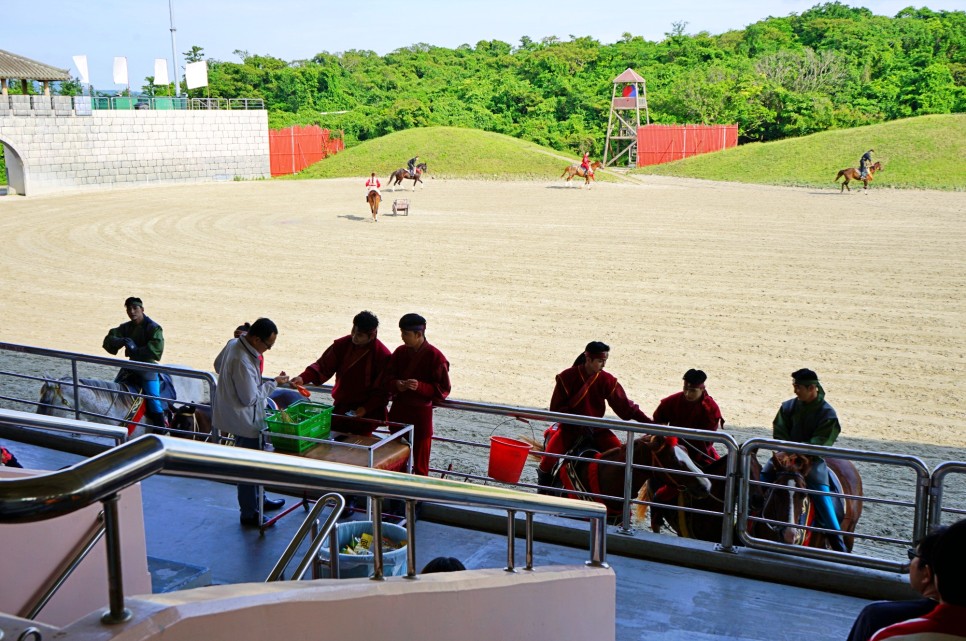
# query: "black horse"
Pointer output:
{"type": "Point", "coordinates": [396, 177]}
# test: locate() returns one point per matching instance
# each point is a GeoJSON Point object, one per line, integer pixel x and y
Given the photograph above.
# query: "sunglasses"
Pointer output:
{"type": "Point", "coordinates": [912, 553]}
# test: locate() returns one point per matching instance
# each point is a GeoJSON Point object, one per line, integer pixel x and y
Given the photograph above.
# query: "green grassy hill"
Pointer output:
{"type": "Point", "coordinates": [450, 152]}
{"type": "Point", "coordinates": [928, 152]}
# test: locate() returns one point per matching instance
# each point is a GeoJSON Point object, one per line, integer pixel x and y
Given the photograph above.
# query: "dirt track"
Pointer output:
{"type": "Point", "coordinates": [746, 282]}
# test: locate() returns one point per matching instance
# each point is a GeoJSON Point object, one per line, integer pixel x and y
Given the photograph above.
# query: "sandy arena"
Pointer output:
{"type": "Point", "coordinates": [746, 282]}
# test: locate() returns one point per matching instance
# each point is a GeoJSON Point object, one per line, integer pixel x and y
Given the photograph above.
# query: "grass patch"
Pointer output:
{"type": "Point", "coordinates": [450, 152]}
{"type": "Point", "coordinates": [928, 152]}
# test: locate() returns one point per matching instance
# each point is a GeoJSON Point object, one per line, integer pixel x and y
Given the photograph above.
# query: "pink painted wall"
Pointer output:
{"type": "Point", "coordinates": [42, 546]}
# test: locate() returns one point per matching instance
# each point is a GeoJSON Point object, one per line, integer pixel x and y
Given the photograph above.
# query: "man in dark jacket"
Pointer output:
{"type": "Point", "coordinates": [143, 341]}
{"type": "Point", "coordinates": [808, 418]}
{"type": "Point", "coordinates": [864, 163]}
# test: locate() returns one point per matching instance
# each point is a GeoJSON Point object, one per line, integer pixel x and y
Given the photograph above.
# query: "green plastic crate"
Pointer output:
{"type": "Point", "coordinates": [311, 420]}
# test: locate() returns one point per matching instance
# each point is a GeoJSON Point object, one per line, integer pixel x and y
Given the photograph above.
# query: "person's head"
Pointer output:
{"type": "Point", "coordinates": [242, 329]}
{"type": "Point", "coordinates": [949, 564]}
{"type": "Point", "coordinates": [694, 384]}
{"type": "Point", "coordinates": [372, 175]}
{"type": "Point", "coordinates": [805, 385]}
{"type": "Point", "coordinates": [134, 308]}
{"type": "Point", "coordinates": [594, 357]}
{"type": "Point", "coordinates": [443, 564]}
{"type": "Point", "coordinates": [364, 326]}
{"type": "Point", "coordinates": [871, 150]}
{"type": "Point", "coordinates": [262, 334]}
{"type": "Point", "coordinates": [412, 329]}
{"type": "Point", "coordinates": [921, 559]}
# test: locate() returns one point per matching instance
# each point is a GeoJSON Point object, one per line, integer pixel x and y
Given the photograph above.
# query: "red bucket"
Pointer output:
{"type": "Point", "coordinates": [507, 457]}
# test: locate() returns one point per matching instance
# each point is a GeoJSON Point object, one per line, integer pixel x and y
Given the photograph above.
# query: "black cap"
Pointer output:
{"type": "Point", "coordinates": [805, 376]}
{"type": "Point", "coordinates": [695, 377]}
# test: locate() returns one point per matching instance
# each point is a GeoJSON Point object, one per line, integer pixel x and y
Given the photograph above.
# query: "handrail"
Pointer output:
{"type": "Point", "coordinates": [102, 477]}
{"type": "Point", "coordinates": [338, 504]}
{"type": "Point", "coordinates": [68, 425]}
{"type": "Point", "coordinates": [748, 450]}
{"type": "Point", "coordinates": [84, 547]}
{"type": "Point", "coordinates": [74, 358]}
{"type": "Point", "coordinates": [936, 490]}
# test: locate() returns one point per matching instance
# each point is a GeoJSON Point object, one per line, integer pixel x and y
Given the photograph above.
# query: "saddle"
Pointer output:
{"type": "Point", "coordinates": [132, 381]}
{"type": "Point", "coordinates": [567, 476]}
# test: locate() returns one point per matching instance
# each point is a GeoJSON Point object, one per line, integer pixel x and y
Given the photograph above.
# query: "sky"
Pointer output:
{"type": "Point", "coordinates": [52, 31]}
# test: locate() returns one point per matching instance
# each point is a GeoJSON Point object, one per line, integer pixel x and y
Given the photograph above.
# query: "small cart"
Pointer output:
{"type": "Point", "coordinates": [400, 205]}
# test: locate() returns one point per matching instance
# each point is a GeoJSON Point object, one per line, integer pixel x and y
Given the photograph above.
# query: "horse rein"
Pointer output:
{"type": "Point", "coordinates": [799, 482]}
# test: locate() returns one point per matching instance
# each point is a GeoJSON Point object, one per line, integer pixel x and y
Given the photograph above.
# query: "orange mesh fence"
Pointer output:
{"type": "Point", "coordinates": [663, 143]}
{"type": "Point", "coordinates": [294, 148]}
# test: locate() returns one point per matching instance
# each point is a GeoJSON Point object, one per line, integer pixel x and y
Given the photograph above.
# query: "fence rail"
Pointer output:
{"type": "Point", "coordinates": [42, 106]}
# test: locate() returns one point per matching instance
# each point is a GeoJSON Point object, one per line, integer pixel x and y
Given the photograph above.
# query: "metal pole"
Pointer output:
{"type": "Point", "coordinates": [112, 540]}
{"type": "Point", "coordinates": [174, 59]}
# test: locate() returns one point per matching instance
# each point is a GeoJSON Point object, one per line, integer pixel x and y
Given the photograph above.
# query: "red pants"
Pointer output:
{"type": "Point", "coordinates": [421, 416]}
{"type": "Point", "coordinates": [563, 437]}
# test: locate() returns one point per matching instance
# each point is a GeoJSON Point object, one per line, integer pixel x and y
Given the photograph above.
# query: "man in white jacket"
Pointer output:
{"type": "Point", "coordinates": [240, 400]}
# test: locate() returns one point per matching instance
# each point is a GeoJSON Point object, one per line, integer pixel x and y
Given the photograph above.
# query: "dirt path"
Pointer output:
{"type": "Point", "coordinates": [746, 282]}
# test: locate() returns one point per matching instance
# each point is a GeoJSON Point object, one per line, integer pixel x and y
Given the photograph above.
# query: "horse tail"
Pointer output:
{"type": "Point", "coordinates": [566, 171]}
{"type": "Point", "coordinates": [640, 510]}
{"type": "Point", "coordinates": [839, 175]}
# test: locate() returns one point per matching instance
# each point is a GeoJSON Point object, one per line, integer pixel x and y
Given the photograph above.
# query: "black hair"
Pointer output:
{"type": "Point", "coordinates": [366, 321]}
{"type": "Point", "coordinates": [695, 377]}
{"type": "Point", "coordinates": [949, 564]}
{"type": "Point", "coordinates": [411, 320]}
{"type": "Point", "coordinates": [263, 328]}
{"type": "Point", "coordinates": [927, 546]}
{"type": "Point", "coordinates": [443, 564]}
{"type": "Point", "coordinates": [592, 347]}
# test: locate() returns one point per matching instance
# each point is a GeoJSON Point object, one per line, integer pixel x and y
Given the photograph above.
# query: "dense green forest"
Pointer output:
{"type": "Point", "coordinates": [831, 67]}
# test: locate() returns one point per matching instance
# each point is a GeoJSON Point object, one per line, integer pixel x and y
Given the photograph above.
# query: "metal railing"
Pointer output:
{"type": "Point", "coordinates": [44, 105]}
{"type": "Point", "coordinates": [937, 485]}
{"type": "Point", "coordinates": [919, 504]}
{"type": "Point", "coordinates": [102, 477]}
{"type": "Point", "coordinates": [74, 358]}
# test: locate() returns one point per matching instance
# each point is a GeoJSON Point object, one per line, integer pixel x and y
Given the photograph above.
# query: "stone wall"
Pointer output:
{"type": "Point", "coordinates": [126, 148]}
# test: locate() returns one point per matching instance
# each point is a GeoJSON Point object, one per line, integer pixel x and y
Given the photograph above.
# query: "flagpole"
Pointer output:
{"type": "Point", "coordinates": [174, 59]}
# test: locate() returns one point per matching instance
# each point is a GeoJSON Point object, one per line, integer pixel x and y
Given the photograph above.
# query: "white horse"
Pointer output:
{"type": "Point", "coordinates": [106, 401]}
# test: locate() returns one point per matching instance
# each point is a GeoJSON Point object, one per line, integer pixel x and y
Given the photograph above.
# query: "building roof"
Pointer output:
{"type": "Point", "coordinates": [14, 66]}
{"type": "Point", "coordinates": [629, 75]}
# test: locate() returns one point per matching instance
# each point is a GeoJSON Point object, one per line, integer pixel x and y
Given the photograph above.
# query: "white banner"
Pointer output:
{"type": "Point", "coordinates": [196, 74]}
{"type": "Point", "coordinates": [120, 71]}
{"type": "Point", "coordinates": [81, 63]}
{"type": "Point", "coordinates": [161, 71]}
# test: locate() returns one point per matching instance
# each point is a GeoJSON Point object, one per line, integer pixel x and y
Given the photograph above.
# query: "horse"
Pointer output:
{"type": "Point", "coordinates": [396, 177]}
{"type": "Point", "coordinates": [374, 198]}
{"type": "Point", "coordinates": [109, 402]}
{"type": "Point", "coordinates": [664, 452]}
{"type": "Point", "coordinates": [196, 420]}
{"type": "Point", "coordinates": [577, 170]}
{"type": "Point", "coordinates": [851, 173]}
{"type": "Point", "coordinates": [793, 508]}
{"type": "Point", "coordinates": [692, 525]}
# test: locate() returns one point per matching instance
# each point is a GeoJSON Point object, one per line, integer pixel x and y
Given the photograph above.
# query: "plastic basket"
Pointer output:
{"type": "Point", "coordinates": [303, 419]}
{"type": "Point", "coordinates": [354, 566]}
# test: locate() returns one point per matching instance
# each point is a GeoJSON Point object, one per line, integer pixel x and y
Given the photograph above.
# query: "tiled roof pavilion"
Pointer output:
{"type": "Point", "coordinates": [20, 68]}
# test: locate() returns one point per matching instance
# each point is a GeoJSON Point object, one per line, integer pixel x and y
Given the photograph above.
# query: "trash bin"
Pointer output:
{"type": "Point", "coordinates": [353, 566]}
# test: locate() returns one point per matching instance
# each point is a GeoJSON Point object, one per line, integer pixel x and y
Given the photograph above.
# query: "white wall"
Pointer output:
{"type": "Point", "coordinates": [125, 148]}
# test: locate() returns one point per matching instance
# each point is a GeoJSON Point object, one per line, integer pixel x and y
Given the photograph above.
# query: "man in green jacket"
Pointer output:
{"type": "Point", "coordinates": [143, 341]}
{"type": "Point", "coordinates": [808, 418]}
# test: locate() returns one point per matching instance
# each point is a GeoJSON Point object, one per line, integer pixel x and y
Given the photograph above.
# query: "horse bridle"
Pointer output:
{"type": "Point", "coordinates": [799, 483]}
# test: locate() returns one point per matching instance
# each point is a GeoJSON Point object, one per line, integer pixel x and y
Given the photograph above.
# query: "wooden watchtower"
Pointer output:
{"type": "Point", "coordinates": [629, 97]}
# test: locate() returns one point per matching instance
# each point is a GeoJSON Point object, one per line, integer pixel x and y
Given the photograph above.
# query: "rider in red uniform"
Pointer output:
{"type": "Point", "coordinates": [585, 164]}
{"type": "Point", "coordinates": [583, 390]}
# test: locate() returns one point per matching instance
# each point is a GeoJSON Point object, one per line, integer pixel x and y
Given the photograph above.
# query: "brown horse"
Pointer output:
{"type": "Point", "coordinates": [195, 421]}
{"type": "Point", "coordinates": [374, 198]}
{"type": "Point", "coordinates": [608, 480]}
{"type": "Point", "coordinates": [577, 170]}
{"type": "Point", "coordinates": [851, 173]}
{"type": "Point", "coordinates": [793, 508]}
{"type": "Point", "coordinates": [396, 177]}
{"type": "Point", "coordinates": [692, 525]}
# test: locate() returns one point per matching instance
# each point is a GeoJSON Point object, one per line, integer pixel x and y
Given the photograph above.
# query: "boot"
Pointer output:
{"type": "Point", "coordinates": [158, 421]}
{"type": "Point", "coordinates": [545, 481]}
{"type": "Point", "coordinates": [826, 512]}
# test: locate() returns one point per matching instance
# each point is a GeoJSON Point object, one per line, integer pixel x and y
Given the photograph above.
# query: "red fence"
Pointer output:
{"type": "Point", "coordinates": [664, 143]}
{"type": "Point", "coordinates": [294, 148]}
